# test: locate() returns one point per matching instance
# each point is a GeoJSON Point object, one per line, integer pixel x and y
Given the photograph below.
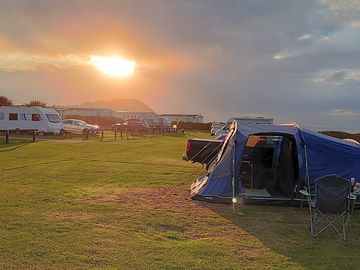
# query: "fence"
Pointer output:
{"type": "Point", "coordinates": [127, 133]}
{"type": "Point", "coordinates": [115, 134]}
{"type": "Point", "coordinates": [8, 132]}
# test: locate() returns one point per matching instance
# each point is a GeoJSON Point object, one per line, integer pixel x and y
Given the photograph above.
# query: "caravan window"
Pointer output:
{"type": "Point", "coordinates": [35, 117]}
{"type": "Point", "coordinates": [2, 116]}
{"type": "Point", "coordinates": [55, 118]}
{"type": "Point", "coordinates": [13, 116]}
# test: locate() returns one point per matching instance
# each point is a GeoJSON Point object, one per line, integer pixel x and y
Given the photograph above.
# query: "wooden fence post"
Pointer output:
{"type": "Point", "coordinates": [33, 135]}
{"type": "Point", "coordinates": [115, 134]}
{"type": "Point", "coordinates": [6, 136]}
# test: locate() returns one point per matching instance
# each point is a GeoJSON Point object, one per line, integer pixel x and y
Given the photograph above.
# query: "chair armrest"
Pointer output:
{"type": "Point", "coordinates": [304, 192]}
{"type": "Point", "coordinates": [352, 196]}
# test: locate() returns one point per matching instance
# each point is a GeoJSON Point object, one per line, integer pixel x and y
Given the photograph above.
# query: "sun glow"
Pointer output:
{"type": "Point", "coordinates": [113, 65]}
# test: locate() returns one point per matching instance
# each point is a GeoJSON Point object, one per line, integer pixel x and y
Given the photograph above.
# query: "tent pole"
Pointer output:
{"type": "Point", "coordinates": [307, 168]}
{"type": "Point", "coordinates": [306, 161]}
{"type": "Point", "coordinates": [233, 180]}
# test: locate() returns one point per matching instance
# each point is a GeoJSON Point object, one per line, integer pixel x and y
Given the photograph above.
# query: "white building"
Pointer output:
{"type": "Point", "coordinates": [187, 118]}
{"type": "Point", "coordinates": [87, 112]}
{"type": "Point", "coordinates": [150, 117]}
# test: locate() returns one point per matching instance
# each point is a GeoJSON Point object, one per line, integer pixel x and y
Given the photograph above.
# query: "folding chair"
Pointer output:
{"type": "Point", "coordinates": [330, 206]}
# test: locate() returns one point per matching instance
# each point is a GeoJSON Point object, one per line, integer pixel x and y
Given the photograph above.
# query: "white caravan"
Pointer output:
{"type": "Point", "coordinates": [243, 120]}
{"type": "Point", "coordinates": [43, 120]}
{"type": "Point", "coordinates": [215, 126]}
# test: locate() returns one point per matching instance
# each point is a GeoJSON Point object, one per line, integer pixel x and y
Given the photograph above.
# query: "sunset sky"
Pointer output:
{"type": "Point", "coordinates": [292, 60]}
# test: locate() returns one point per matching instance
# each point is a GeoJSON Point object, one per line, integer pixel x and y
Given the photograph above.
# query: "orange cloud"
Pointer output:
{"type": "Point", "coordinates": [29, 62]}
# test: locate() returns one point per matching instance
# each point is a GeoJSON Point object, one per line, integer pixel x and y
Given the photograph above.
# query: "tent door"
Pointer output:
{"type": "Point", "coordinates": [269, 166]}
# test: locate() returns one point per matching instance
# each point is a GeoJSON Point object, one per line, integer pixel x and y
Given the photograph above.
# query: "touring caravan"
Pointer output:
{"type": "Point", "coordinates": [43, 120]}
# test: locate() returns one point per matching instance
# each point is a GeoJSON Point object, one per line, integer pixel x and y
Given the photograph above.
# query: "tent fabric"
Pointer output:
{"type": "Point", "coordinates": [317, 155]}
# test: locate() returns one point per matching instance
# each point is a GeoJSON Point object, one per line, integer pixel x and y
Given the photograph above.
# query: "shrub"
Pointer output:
{"type": "Point", "coordinates": [342, 135]}
{"type": "Point", "coordinates": [4, 101]}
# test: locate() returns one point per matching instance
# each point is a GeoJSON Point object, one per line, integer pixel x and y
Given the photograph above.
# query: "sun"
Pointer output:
{"type": "Point", "coordinates": [113, 65]}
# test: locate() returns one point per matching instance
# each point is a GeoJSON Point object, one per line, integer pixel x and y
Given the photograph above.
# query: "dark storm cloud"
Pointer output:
{"type": "Point", "coordinates": [289, 59]}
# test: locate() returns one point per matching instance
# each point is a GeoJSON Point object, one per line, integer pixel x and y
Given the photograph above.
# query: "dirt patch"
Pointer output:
{"type": "Point", "coordinates": [204, 222]}
{"type": "Point", "coordinates": [70, 216]}
{"type": "Point", "coordinates": [170, 228]}
{"type": "Point", "coordinates": [174, 199]}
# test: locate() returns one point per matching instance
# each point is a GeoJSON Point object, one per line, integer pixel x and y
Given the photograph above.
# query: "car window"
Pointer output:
{"type": "Point", "coordinates": [53, 117]}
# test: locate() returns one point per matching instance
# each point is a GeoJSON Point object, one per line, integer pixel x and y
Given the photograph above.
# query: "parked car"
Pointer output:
{"type": "Point", "coordinates": [79, 127]}
{"type": "Point", "coordinates": [131, 125]}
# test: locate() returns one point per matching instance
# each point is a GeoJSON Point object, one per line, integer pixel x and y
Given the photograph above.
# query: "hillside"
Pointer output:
{"type": "Point", "coordinates": [123, 104]}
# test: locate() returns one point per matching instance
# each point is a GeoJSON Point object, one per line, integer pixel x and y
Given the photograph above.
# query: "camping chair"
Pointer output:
{"type": "Point", "coordinates": [331, 204]}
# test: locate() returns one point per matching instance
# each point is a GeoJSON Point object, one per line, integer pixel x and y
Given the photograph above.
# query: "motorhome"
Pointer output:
{"type": "Point", "coordinates": [243, 120]}
{"type": "Point", "coordinates": [20, 118]}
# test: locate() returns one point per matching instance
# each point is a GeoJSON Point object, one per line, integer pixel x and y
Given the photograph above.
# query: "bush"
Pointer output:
{"type": "Point", "coordinates": [197, 126]}
{"type": "Point", "coordinates": [37, 103]}
{"type": "Point", "coordinates": [342, 135]}
{"type": "Point", "coordinates": [4, 101]}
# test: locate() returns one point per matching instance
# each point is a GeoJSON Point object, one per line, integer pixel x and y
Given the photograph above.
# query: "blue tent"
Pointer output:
{"type": "Point", "coordinates": [313, 155]}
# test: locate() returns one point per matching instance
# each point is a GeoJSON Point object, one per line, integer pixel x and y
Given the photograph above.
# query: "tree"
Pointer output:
{"type": "Point", "coordinates": [4, 101]}
{"type": "Point", "coordinates": [37, 103]}
{"type": "Point", "coordinates": [181, 124]}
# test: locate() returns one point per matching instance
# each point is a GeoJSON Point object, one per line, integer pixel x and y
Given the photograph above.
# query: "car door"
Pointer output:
{"type": "Point", "coordinates": [80, 126]}
{"type": "Point", "coordinates": [67, 125]}
{"type": "Point", "coordinates": [77, 127]}
{"type": "Point", "coordinates": [73, 127]}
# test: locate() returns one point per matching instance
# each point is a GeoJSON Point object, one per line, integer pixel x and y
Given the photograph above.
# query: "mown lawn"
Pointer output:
{"type": "Point", "coordinates": [125, 204]}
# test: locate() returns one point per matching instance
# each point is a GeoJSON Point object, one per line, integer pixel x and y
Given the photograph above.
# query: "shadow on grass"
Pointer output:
{"type": "Point", "coordinates": [12, 146]}
{"type": "Point", "coordinates": [284, 230]}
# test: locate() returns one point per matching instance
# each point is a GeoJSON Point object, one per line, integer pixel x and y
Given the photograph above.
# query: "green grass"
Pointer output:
{"type": "Point", "coordinates": [125, 204]}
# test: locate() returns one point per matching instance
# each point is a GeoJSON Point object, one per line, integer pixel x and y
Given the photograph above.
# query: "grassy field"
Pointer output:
{"type": "Point", "coordinates": [125, 204]}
